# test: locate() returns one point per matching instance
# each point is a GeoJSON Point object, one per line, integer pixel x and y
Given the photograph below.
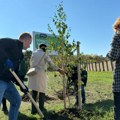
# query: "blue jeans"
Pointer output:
{"type": "Point", "coordinates": [116, 105]}
{"type": "Point", "coordinates": [8, 90]}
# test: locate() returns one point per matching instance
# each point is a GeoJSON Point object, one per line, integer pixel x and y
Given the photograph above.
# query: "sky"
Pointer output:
{"type": "Point", "coordinates": [90, 20]}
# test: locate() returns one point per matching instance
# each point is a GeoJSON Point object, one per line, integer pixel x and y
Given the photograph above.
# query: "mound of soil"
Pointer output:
{"type": "Point", "coordinates": [66, 114]}
{"type": "Point", "coordinates": [25, 98]}
{"type": "Point", "coordinates": [71, 114]}
{"type": "Point", "coordinates": [60, 93]}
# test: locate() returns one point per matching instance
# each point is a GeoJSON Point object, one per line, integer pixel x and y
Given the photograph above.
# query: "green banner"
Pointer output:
{"type": "Point", "coordinates": [50, 40]}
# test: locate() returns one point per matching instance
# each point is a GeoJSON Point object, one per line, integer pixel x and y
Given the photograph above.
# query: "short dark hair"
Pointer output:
{"type": "Point", "coordinates": [42, 45]}
{"type": "Point", "coordinates": [25, 35]}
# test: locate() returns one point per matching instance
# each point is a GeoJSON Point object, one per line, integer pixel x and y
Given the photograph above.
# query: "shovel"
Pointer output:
{"type": "Point", "coordinates": [22, 85]}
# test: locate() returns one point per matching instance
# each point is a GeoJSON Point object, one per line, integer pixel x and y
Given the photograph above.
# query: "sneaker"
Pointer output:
{"type": "Point", "coordinates": [83, 101]}
{"type": "Point", "coordinates": [33, 113]}
{"type": "Point", "coordinates": [5, 110]}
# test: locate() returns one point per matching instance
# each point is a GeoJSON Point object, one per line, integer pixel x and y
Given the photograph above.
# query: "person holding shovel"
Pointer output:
{"type": "Point", "coordinates": [10, 58]}
{"type": "Point", "coordinates": [38, 81]}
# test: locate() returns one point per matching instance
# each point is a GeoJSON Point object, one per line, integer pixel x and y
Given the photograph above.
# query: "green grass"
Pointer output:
{"type": "Point", "coordinates": [104, 77]}
{"type": "Point", "coordinates": [99, 104]}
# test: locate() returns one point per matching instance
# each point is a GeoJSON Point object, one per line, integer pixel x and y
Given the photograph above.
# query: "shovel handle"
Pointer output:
{"type": "Point", "coordinates": [22, 85]}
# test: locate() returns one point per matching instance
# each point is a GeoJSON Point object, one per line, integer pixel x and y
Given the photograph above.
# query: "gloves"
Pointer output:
{"type": "Point", "coordinates": [9, 64]}
{"type": "Point", "coordinates": [24, 90]}
{"type": "Point", "coordinates": [17, 83]}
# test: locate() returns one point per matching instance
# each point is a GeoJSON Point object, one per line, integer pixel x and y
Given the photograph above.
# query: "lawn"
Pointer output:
{"type": "Point", "coordinates": [99, 104]}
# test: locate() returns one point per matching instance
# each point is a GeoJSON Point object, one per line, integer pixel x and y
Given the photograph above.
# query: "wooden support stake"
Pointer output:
{"type": "Point", "coordinates": [79, 78]}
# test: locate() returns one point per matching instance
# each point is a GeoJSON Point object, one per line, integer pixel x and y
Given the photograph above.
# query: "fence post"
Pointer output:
{"type": "Point", "coordinates": [103, 66]}
{"type": "Point", "coordinates": [96, 66]}
{"type": "Point", "coordinates": [112, 65]}
{"type": "Point", "coordinates": [107, 65]}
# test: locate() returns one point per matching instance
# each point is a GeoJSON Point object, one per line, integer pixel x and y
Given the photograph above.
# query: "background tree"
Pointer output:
{"type": "Point", "coordinates": [27, 56]}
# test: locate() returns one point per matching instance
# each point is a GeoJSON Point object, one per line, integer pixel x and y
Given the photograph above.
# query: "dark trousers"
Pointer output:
{"type": "Point", "coordinates": [116, 105]}
{"type": "Point", "coordinates": [82, 93]}
{"type": "Point", "coordinates": [4, 104]}
{"type": "Point", "coordinates": [41, 101]}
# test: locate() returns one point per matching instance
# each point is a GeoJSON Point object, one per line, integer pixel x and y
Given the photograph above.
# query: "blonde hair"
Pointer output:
{"type": "Point", "coordinates": [116, 25]}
